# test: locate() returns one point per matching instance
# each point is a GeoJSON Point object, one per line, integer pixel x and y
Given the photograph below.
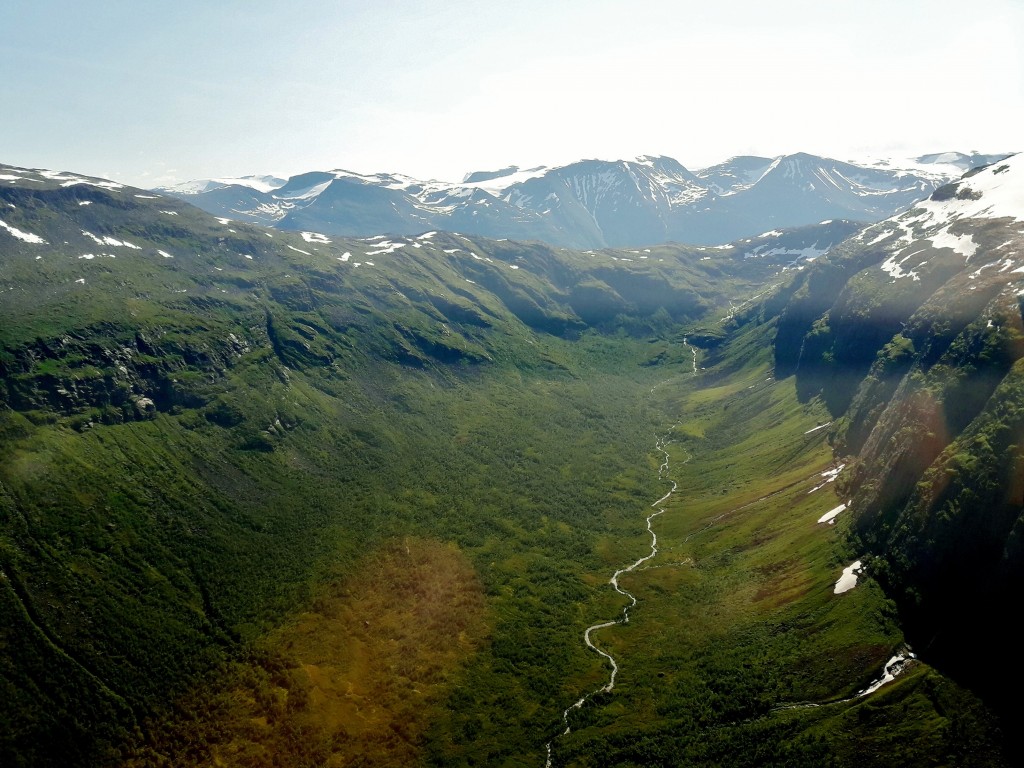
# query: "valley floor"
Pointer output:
{"type": "Point", "coordinates": [461, 639]}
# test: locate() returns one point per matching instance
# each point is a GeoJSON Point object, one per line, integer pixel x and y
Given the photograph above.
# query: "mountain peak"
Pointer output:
{"type": "Point", "coordinates": [259, 182]}
{"type": "Point", "coordinates": [993, 192]}
{"type": "Point", "coordinates": [502, 178]}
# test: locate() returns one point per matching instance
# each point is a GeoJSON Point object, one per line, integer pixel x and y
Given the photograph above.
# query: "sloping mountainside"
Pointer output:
{"type": "Point", "coordinates": [912, 334]}
{"type": "Point", "coordinates": [273, 498]}
{"type": "Point", "coordinates": [588, 204]}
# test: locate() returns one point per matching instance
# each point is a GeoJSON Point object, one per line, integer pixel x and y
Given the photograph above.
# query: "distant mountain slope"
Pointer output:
{"type": "Point", "coordinates": [588, 204]}
{"type": "Point", "coordinates": [66, 236]}
{"type": "Point", "coordinates": [912, 332]}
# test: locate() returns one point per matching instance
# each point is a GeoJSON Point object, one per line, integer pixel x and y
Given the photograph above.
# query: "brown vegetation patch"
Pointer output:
{"type": "Point", "coordinates": [782, 582]}
{"type": "Point", "coordinates": [355, 680]}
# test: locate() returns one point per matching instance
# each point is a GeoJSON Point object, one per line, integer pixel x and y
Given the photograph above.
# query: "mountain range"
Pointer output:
{"type": "Point", "coordinates": [287, 497]}
{"type": "Point", "coordinates": [590, 203]}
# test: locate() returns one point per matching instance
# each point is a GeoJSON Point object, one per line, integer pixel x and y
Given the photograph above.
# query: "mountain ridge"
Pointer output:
{"type": "Point", "coordinates": [591, 203]}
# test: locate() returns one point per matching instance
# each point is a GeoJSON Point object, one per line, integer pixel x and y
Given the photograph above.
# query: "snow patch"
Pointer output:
{"type": "Point", "coordinates": [830, 476]}
{"type": "Point", "coordinates": [977, 273]}
{"type": "Point", "coordinates": [832, 514]}
{"type": "Point", "coordinates": [314, 237]}
{"type": "Point", "coordinates": [108, 240]}
{"type": "Point", "coordinates": [385, 247]}
{"type": "Point", "coordinates": [962, 244]}
{"type": "Point", "coordinates": [27, 237]}
{"type": "Point", "coordinates": [885, 233]}
{"type": "Point", "coordinates": [895, 269]}
{"type": "Point", "coordinates": [103, 184]}
{"type": "Point", "coordinates": [893, 667]}
{"type": "Point", "coordinates": [849, 578]}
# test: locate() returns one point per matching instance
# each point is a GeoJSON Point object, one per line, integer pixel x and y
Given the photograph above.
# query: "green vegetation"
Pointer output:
{"type": "Point", "coordinates": [284, 510]}
{"type": "Point", "coordinates": [737, 630]}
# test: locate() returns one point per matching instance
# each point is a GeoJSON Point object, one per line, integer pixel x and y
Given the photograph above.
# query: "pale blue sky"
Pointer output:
{"type": "Point", "coordinates": [155, 92]}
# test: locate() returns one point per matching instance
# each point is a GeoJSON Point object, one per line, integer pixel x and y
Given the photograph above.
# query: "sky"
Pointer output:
{"type": "Point", "coordinates": [153, 93]}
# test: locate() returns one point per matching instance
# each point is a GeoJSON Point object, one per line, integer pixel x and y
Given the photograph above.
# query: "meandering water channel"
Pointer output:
{"type": "Point", "coordinates": [893, 668]}
{"type": "Point", "coordinates": [661, 445]}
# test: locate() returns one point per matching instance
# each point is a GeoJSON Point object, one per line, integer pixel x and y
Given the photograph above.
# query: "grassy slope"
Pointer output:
{"type": "Point", "coordinates": [519, 471]}
{"type": "Point", "coordinates": [531, 469]}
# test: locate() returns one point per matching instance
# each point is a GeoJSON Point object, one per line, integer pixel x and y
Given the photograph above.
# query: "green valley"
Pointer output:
{"type": "Point", "coordinates": [272, 499]}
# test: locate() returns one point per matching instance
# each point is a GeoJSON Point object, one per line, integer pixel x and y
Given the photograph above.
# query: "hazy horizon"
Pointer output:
{"type": "Point", "coordinates": [152, 96]}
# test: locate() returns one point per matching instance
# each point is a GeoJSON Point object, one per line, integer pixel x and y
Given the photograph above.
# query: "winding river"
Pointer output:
{"type": "Point", "coordinates": [661, 445]}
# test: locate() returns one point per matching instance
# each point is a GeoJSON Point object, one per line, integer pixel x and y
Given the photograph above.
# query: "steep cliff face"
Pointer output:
{"type": "Point", "coordinates": [912, 333]}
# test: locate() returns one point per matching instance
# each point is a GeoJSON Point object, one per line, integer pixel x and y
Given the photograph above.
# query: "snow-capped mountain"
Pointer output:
{"type": "Point", "coordinates": [955, 218]}
{"type": "Point", "coordinates": [590, 203]}
{"type": "Point", "coordinates": [964, 240]}
{"type": "Point", "coordinates": [261, 183]}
